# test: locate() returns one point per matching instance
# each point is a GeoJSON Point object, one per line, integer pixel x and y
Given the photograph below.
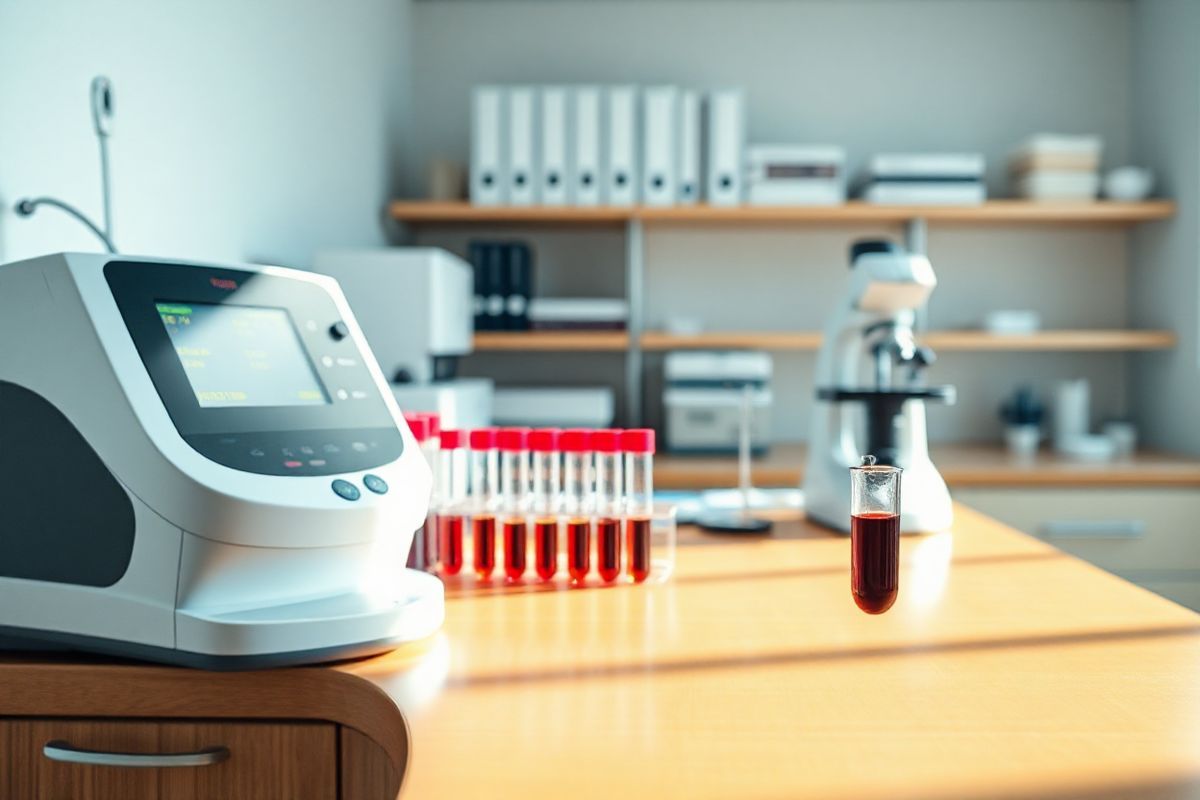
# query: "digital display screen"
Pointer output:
{"type": "Point", "coordinates": [237, 356]}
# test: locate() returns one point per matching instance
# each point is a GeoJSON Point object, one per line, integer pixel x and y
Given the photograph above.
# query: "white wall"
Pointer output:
{"type": "Point", "coordinates": [1165, 281]}
{"type": "Point", "coordinates": [871, 75]}
{"type": "Point", "coordinates": [244, 130]}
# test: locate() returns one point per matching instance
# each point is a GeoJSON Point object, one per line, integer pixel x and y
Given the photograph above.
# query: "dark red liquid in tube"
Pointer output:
{"type": "Point", "coordinates": [637, 535]}
{"type": "Point", "coordinates": [608, 548]}
{"type": "Point", "coordinates": [875, 560]}
{"type": "Point", "coordinates": [450, 544]}
{"type": "Point", "coordinates": [578, 538]}
{"type": "Point", "coordinates": [545, 542]}
{"type": "Point", "coordinates": [483, 532]}
{"type": "Point", "coordinates": [515, 542]}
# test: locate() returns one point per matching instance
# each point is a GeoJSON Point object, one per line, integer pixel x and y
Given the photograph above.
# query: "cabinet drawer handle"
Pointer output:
{"type": "Point", "coordinates": [1094, 529]}
{"type": "Point", "coordinates": [58, 750]}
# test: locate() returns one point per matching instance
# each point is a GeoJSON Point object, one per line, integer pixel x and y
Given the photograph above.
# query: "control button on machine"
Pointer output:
{"type": "Point", "coordinates": [345, 490]}
{"type": "Point", "coordinates": [375, 483]}
{"type": "Point", "coordinates": [293, 464]}
{"type": "Point", "coordinates": [338, 331]}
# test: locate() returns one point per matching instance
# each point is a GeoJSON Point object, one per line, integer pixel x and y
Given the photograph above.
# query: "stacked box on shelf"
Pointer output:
{"type": "Point", "coordinates": [931, 179]}
{"type": "Point", "coordinates": [1053, 167]}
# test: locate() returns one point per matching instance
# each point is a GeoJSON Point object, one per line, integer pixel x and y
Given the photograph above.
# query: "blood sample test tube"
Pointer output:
{"type": "Point", "coordinates": [452, 500]}
{"type": "Point", "coordinates": [485, 468]}
{"type": "Point", "coordinates": [418, 551]}
{"type": "Point", "coordinates": [433, 454]}
{"type": "Point", "coordinates": [874, 535]}
{"type": "Point", "coordinates": [576, 445]}
{"type": "Point", "coordinates": [514, 499]}
{"type": "Point", "coordinates": [607, 446]}
{"type": "Point", "coordinates": [638, 447]}
{"type": "Point", "coordinates": [547, 489]}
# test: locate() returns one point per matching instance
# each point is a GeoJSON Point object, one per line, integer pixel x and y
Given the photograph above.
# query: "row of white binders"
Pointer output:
{"type": "Point", "coordinates": [614, 146]}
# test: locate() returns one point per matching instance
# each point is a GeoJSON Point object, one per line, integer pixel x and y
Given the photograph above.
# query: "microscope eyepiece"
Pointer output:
{"type": "Point", "coordinates": [864, 246]}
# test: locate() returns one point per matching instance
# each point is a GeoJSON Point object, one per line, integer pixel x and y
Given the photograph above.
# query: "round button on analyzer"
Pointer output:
{"type": "Point", "coordinates": [375, 483]}
{"type": "Point", "coordinates": [345, 490]}
{"type": "Point", "coordinates": [338, 331]}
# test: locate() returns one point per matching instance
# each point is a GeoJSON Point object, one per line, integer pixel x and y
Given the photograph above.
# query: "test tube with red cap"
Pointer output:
{"type": "Point", "coordinates": [452, 504]}
{"type": "Point", "coordinates": [607, 446]}
{"type": "Point", "coordinates": [418, 552]}
{"type": "Point", "coordinates": [484, 498]}
{"type": "Point", "coordinates": [433, 454]}
{"type": "Point", "coordinates": [638, 447]}
{"type": "Point", "coordinates": [547, 488]}
{"type": "Point", "coordinates": [576, 444]}
{"type": "Point", "coordinates": [514, 499]}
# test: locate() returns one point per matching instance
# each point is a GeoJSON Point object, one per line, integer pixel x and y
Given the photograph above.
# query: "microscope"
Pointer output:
{"type": "Point", "coordinates": [871, 395]}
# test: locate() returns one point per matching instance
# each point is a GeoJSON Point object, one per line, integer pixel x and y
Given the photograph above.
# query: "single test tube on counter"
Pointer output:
{"type": "Point", "coordinates": [421, 554]}
{"type": "Point", "coordinates": [514, 499]}
{"type": "Point", "coordinates": [485, 468]}
{"type": "Point", "coordinates": [638, 447]}
{"type": "Point", "coordinates": [608, 505]}
{"type": "Point", "coordinates": [576, 445]}
{"type": "Point", "coordinates": [452, 504]}
{"type": "Point", "coordinates": [547, 499]}
{"type": "Point", "coordinates": [874, 535]}
{"type": "Point", "coordinates": [433, 454]}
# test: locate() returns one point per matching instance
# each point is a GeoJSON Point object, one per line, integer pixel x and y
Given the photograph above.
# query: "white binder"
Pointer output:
{"type": "Point", "coordinates": [687, 177]}
{"type": "Point", "coordinates": [585, 136]}
{"type": "Point", "coordinates": [554, 170]}
{"type": "Point", "coordinates": [487, 146]}
{"type": "Point", "coordinates": [660, 112]}
{"type": "Point", "coordinates": [726, 133]}
{"type": "Point", "coordinates": [522, 127]}
{"type": "Point", "coordinates": [621, 159]}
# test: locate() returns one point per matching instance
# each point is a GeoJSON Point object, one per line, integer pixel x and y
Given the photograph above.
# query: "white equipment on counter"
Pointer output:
{"type": "Point", "coordinates": [870, 396]}
{"type": "Point", "coordinates": [415, 305]}
{"type": "Point", "coordinates": [792, 174]}
{"type": "Point", "coordinates": [704, 400]}
{"type": "Point", "coordinates": [201, 464]}
{"type": "Point", "coordinates": [554, 407]}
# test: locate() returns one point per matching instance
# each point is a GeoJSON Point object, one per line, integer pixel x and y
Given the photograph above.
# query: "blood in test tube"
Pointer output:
{"type": "Point", "coordinates": [485, 498]}
{"type": "Point", "coordinates": [515, 498]}
{"type": "Point", "coordinates": [483, 534]}
{"type": "Point", "coordinates": [874, 535]}
{"type": "Point", "coordinates": [608, 548]}
{"type": "Point", "coordinates": [433, 454]}
{"type": "Point", "coordinates": [637, 543]}
{"type": "Point", "coordinates": [579, 534]}
{"type": "Point", "coordinates": [545, 542]}
{"type": "Point", "coordinates": [875, 560]}
{"type": "Point", "coordinates": [608, 503]}
{"type": "Point", "coordinates": [452, 500]}
{"type": "Point", "coordinates": [450, 543]}
{"type": "Point", "coordinates": [545, 457]}
{"type": "Point", "coordinates": [638, 447]}
{"type": "Point", "coordinates": [576, 445]}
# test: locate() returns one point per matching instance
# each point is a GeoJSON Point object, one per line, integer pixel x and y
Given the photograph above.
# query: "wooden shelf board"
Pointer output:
{"type": "Point", "coordinates": [548, 341]}
{"type": "Point", "coordinates": [420, 211]}
{"type": "Point", "coordinates": [852, 212]}
{"type": "Point", "coordinates": [945, 341]}
{"type": "Point", "coordinates": [962, 465]}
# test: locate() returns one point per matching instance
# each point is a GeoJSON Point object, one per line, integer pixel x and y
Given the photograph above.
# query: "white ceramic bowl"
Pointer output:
{"type": "Point", "coordinates": [1128, 183]}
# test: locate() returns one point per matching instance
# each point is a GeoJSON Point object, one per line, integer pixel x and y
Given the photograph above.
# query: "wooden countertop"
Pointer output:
{"type": "Point", "coordinates": [1006, 668]}
{"type": "Point", "coordinates": [961, 465]}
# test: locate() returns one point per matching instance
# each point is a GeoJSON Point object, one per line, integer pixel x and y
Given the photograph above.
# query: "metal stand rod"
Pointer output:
{"type": "Point", "coordinates": [916, 241]}
{"type": "Point", "coordinates": [635, 288]}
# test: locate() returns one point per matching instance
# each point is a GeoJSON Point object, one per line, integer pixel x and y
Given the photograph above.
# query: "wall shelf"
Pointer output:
{"type": "Point", "coordinates": [962, 465]}
{"type": "Point", "coordinates": [853, 212]}
{"type": "Point", "coordinates": [942, 341]}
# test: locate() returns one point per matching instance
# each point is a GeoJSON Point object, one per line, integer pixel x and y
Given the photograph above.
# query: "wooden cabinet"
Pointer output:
{"type": "Point", "coordinates": [253, 760]}
{"type": "Point", "coordinates": [1147, 535]}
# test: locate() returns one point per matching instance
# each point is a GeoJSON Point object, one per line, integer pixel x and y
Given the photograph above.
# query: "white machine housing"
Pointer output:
{"type": "Point", "coordinates": [884, 287]}
{"type": "Point", "coordinates": [416, 308]}
{"type": "Point", "coordinates": [227, 547]}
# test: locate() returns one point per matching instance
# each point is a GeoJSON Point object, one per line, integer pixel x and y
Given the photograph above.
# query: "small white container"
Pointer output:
{"type": "Point", "coordinates": [1123, 436]}
{"type": "Point", "coordinates": [1022, 440]}
{"type": "Point", "coordinates": [1128, 184]}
